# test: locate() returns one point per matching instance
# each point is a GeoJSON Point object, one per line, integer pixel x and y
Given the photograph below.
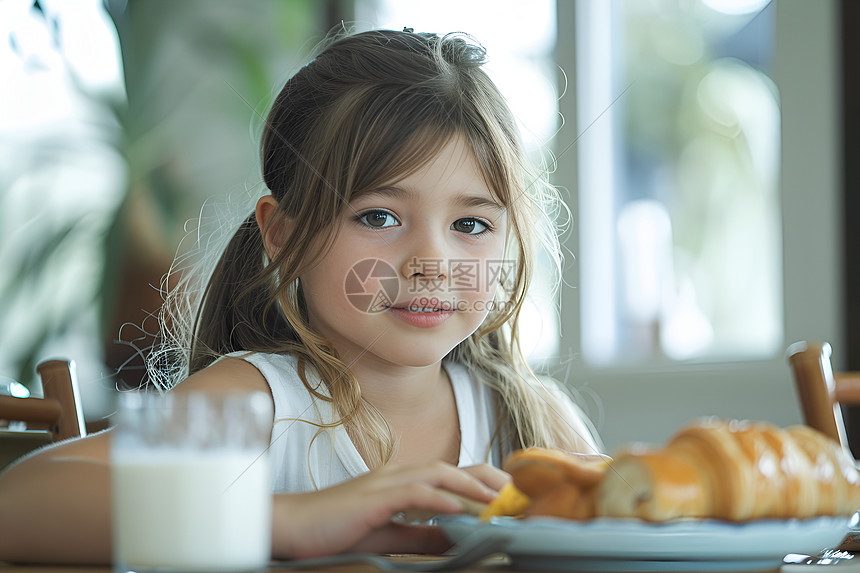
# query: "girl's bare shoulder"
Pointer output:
{"type": "Point", "coordinates": [227, 374]}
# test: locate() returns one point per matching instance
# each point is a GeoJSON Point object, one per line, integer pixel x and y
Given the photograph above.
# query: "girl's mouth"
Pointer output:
{"type": "Point", "coordinates": [421, 317]}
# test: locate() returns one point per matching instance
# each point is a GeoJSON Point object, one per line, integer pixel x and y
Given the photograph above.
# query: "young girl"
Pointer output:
{"type": "Point", "coordinates": [375, 295]}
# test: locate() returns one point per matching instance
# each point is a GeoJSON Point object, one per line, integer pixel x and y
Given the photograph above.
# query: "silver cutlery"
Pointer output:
{"type": "Point", "coordinates": [826, 557]}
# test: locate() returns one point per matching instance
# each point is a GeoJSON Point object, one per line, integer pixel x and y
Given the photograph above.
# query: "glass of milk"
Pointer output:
{"type": "Point", "coordinates": [191, 482]}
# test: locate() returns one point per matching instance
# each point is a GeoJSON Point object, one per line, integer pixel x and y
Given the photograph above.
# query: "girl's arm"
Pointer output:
{"type": "Point", "coordinates": [56, 504]}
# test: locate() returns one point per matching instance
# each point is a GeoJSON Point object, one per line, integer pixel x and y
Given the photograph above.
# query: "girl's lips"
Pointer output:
{"type": "Point", "coordinates": [421, 319]}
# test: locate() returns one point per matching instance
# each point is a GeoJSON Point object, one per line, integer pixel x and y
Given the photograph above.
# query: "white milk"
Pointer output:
{"type": "Point", "coordinates": [192, 510]}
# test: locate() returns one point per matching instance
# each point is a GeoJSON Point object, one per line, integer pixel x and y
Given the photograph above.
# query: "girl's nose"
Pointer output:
{"type": "Point", "coordinates": [431, 267]}
{"type": "Point", "coordinates": [426, 258]}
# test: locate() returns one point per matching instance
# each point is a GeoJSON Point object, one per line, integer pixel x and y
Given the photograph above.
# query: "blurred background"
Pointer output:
{"type": "Point", "coordinates": [699, 144]}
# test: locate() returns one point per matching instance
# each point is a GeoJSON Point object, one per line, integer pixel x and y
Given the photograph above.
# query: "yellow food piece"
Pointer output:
{"type": "Point", "coordinates": [510, 501]}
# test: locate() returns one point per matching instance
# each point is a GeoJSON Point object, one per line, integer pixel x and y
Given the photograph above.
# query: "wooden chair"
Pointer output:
{"type": "Point", "coordinates": [822, 391]}
{"type": "Point", "coordinates": [57, 416]}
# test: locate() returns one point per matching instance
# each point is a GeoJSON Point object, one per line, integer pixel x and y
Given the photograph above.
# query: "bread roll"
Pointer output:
{"type": "Point", "coordinates": [653, 484]}
{"type": "Point", "coordinates": [538, 470]}
{"type": "Point", "coordinates": [550, 483]}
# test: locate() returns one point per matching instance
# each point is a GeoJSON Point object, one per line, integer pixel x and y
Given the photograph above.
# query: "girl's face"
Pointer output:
{"type": "Point", "coordinates": [414, 268]}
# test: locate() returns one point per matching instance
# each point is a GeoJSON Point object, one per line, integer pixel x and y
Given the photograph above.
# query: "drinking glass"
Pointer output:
{"type": "Point", "coordinates": [191, 484]}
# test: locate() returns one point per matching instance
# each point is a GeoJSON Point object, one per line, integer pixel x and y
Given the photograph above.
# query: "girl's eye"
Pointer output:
{"type": "Point", "coordinates": [470, 226]}
{"type": "Point", "coordinates": [378, 219]}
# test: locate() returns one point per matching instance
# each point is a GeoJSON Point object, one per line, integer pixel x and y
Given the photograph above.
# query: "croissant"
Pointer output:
{"type": "Point", "coordinates": [732, 470]}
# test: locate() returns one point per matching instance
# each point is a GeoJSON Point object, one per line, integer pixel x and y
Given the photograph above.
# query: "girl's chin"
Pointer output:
{"type": "Point", "coordinates": [415, 359]}
{"type": "Point", "coordinates": [400, 344]}
{"type": "Point", "coordinates": [411, 355]}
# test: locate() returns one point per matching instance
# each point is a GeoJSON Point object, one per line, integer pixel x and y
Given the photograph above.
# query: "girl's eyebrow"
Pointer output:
{"type": "Point", "coordinates": [477, 201]}
{"type": "Point", "coordinates": [460, 200]}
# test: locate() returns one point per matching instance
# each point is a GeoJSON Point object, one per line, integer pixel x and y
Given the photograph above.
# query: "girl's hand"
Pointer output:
{"type": "Point", "coordinates": [356, 515]}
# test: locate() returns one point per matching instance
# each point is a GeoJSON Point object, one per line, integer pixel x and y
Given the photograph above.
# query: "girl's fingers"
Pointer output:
{"type": "Point", "coordinates": [489, 475]}
{"type": "Point", "coordinates": [418, 496]}
{"type": "Point", "coordinates": [478, 483]}
{"type": "Point", "coordinates": [419, 491]}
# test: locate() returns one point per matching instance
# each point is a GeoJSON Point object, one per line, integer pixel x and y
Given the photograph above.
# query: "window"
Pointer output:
{"type": "Point", "coordinates": [679, 214]}
{"type": "Point", "coordinates": [788, 259]}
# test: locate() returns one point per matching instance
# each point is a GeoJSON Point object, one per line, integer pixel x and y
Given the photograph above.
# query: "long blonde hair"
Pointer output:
{"type": "Point", "coordinates": [370, 108]}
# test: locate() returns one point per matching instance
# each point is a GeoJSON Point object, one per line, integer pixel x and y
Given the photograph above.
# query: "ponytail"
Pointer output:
{"type": "Point", "coordinates": [236, 310]}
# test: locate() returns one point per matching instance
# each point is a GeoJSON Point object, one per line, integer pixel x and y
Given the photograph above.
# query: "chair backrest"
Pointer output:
{"type": "Point", "coordinates": [821, 390]}
{"type": "Point", "coordinates": [58, 412]}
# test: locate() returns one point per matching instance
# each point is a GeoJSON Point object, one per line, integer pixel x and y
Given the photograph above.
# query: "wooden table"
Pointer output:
{"type": "Point", "coordinates": [492, 565]}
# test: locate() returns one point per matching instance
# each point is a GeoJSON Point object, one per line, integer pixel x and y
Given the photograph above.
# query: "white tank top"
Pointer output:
{"type": "Point", "coordinates": [305, 457]}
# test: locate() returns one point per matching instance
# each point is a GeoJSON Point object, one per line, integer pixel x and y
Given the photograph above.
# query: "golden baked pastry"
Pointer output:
{"type": "Point", "coordinates": [732, 470]}
{"type": "Point", "coordinates": [719, 469]}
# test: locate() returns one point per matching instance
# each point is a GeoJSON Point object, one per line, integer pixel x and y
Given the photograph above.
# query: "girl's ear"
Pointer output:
{"type": "Point", "coordinates": [272, 228]}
